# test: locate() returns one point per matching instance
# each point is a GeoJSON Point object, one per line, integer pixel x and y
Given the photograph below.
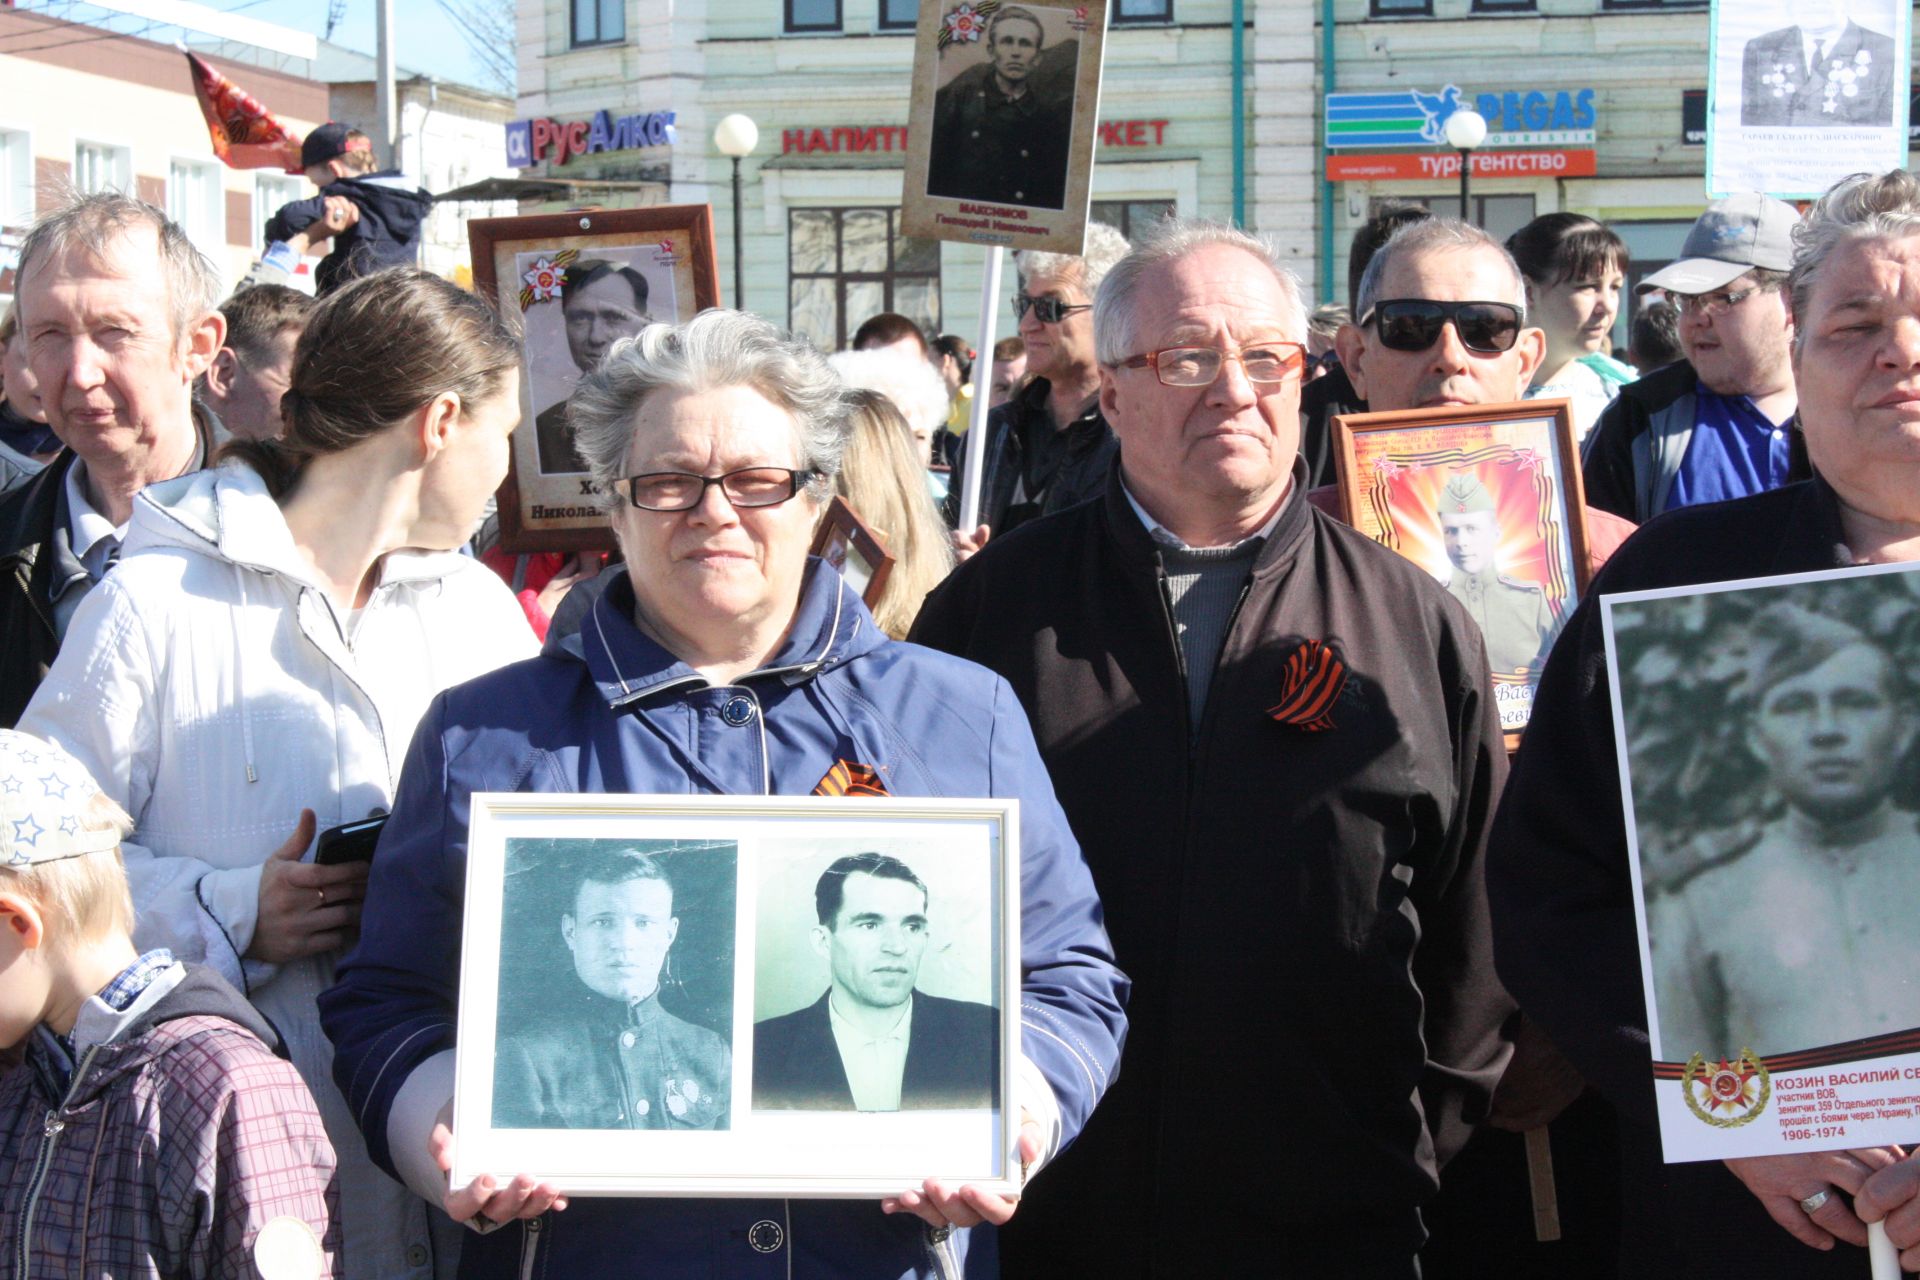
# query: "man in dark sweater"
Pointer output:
{"type": "Point", "coordinates": [1276, 742]}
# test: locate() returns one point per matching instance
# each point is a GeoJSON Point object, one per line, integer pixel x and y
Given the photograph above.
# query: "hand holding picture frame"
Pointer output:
{"type": "Point", "coordinates": [1488, 498]}
{"type": "Point", "coordinates": [579, 283]}
{"type": "Point", "coordinates": [652, 990]}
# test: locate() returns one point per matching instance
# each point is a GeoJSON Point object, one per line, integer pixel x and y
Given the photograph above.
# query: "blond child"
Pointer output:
{"type": "Point", "coordinates": [148, 1129]}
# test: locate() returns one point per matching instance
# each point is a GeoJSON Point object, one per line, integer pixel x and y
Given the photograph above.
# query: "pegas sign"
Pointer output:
{"type": "Point", "coordinates": [1412, 118]}
{"type": "Point", "coordinates": [531, 141]}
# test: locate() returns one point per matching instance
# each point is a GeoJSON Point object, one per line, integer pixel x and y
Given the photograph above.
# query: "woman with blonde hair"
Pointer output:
{"type": "Point", "coordinates": [881, 480]}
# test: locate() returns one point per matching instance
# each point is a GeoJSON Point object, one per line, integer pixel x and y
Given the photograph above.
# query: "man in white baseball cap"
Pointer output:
{"type": "Point", "coordinates": [1718, 424]}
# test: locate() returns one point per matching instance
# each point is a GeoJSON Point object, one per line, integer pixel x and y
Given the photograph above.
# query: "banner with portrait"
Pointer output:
{"type": "Point", "coordinates": [1486, 498]}
{"type": "Point", "coordinates": [1802, 93]}
{"type": "Point", "coordinates": [576, 283]}
{"type": "Point", "coordinates": [1000, 135]}
{"type": "Point", "coordinates": [1767, 732]}
{"type": "Point", "coordinates": [717, 995]}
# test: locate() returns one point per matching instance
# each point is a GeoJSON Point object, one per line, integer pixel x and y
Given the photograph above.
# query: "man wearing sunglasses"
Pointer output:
{"type": "Point", "coordinates": [1278, 746]}
{"type": "Point", "coordinates": [1048, 448]}
{"type": "Point", "coordinates": [1719, 424]}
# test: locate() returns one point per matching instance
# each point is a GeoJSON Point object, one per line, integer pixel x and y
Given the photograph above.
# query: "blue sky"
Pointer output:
{"type": "Point", "coordinates": [424, 37]}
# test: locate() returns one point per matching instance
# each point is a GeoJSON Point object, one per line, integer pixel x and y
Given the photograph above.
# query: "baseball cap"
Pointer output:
{"type": "Point", "coordinates": [1731, 238]}
{"type": "Point", "coordinates": [328, 142]}
{"type": "Point", "coordinates": [43, 802]}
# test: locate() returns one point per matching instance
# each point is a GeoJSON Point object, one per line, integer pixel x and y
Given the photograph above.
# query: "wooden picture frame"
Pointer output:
{"type": "Point", "coordinates": [1488, 498]}
{"type": "Point", "coordinates": [1027, 191]}
{"type": "Point", "coordinates": [640, 266]}
{"type": "Point", "coordinates": [855, 551]}
{"type": "Point", "coordinates": [740, 1099]}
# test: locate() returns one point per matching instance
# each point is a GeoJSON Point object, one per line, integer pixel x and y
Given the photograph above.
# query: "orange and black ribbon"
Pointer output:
{"type": "Point", "coordinates": [1314, 677]}
{"type": "Point", "coordinates": [849, 779]}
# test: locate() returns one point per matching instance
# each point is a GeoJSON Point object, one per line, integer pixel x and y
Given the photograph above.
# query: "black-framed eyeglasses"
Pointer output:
{"type": "Point", "coordinates": [682, 491]}
{"type": "Point", "coordinates": [1049, 310]}
{"type": "Point", "coordinates": [1717, 303]}
{"type": "Point", "coordinates": [1414, 324]}
{"type": "Point", "coordinates": [1264, 362]}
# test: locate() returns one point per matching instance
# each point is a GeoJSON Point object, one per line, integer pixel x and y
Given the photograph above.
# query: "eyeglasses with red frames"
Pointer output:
{"type": "Point", "coordinates": [1265, 362]}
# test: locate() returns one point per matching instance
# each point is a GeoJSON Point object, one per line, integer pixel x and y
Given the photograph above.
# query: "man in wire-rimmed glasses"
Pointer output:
{"type": "Point", "coordinates": [1276, 742]}
{"type": "Point", "coordinates": [1719, 424]}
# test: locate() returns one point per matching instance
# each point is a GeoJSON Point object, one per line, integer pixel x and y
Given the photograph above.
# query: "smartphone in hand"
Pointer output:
{"type": "Point", "coordinates": [349, 842]}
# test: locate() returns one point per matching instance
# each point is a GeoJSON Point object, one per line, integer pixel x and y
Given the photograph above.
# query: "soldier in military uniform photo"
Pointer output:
{"type": "Point", "coordinates": [605, 1054]}
{"type": "Point", "coordinates": [1514, 615]}
{"type": "Point", "coordinates": [1002, 129]}
{"type": "Point", "coordinates": [1824, 71]}
{"type": "Point", "coordinates": [601, 302]}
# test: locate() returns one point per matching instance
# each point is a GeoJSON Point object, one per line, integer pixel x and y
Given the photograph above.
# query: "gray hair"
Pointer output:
{"type": "Point", "coordinates": [1172, 239]}
{"type": "Point", "coordinates": [1104, 247]}
{"type": "Point", "coordinates": [1437, 235]}
{"type": "Point", "coordinates": [94, 222]}
{"type": "Point", "coordinates": [716, 348]}
{"type": "Point", "coordinates": [1865, 206]}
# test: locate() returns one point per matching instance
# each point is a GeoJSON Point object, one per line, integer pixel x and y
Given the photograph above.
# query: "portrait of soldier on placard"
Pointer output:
{"type": "Point", "coordinates": [1003, 112]}
{"type": "Point", "coordinates": [873, 1040]}
{"type": "Point", "coordinates": [1513, 614]}
{"type": "Point", "coordinates": [595, 1047]}
{"type": "Point", "coordinates": [1822, 71]}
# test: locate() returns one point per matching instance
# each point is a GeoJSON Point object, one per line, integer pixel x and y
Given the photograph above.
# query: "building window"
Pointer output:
{"type": "Point", "coordinates": [1653, 4]}
{"type": "Point", "coordinates": [16, 178]}
{"type": "Point", "coordinates": [1498, 216]}
{"type": "Point", "coordinates": [1131, 217]}
{"type": "Point", "coordinates": [599, 22]}
{"type": "Point", "coordinates": [898, 15]}
{"type": "Point", "coordinates": [1504, 6]}
{"type": "Point", "coordinates": [1142, 11]}
{"type": "Point", "coordinates": [1401, 8]}
{"type": "Point", "coordinates": [99, 167]}
{"type": "Point", "coordinates": [846, 265]}
{"type": "Point", "coordinates": [196, 200]}
{"type": "Point", "coordinates": [270, 191]}
{"type": "Point", "coordinates": [813, 15]}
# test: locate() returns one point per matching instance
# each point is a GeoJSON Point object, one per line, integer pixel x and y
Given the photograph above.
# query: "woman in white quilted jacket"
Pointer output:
{"type": "Point", "coordinates": [254, 667]}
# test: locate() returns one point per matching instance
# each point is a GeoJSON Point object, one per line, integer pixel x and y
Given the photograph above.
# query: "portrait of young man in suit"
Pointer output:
{"type": "Point", "coordinates": [872, 1042]}
{"type": "Point", "coordinates": [1825, 70]}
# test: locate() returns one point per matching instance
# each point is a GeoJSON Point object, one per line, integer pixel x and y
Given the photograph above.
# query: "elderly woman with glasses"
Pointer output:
{"type": "Point", "coordinates": [723, 660]}
{"type": "Point", "coordinates": [1559, 864]}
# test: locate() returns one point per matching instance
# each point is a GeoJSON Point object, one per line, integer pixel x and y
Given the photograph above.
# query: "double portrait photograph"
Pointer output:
{"type": "Point", "coordinates": [733, 996]}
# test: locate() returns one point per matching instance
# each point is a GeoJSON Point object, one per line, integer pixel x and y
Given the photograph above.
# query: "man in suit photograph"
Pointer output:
{"type": "Point", "coordinates": [601, 303]}
{"type": "Point", "coordinates": [1824, 71]}
{"type": "Point", "coordinates": [872, 1042]}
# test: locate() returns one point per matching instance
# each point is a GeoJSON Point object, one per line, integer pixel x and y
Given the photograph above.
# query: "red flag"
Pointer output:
{"type": "Point", "coordinates": [245, 134]}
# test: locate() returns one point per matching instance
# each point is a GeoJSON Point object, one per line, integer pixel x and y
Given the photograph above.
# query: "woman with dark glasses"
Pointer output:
{"type": "Point", "coordinates": [1574, 268]}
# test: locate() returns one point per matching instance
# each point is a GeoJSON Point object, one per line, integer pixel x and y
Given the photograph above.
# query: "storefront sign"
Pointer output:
{"type": "Point", "coordinates": [1693, 118]}
{"type": "Point", "coordinates": [888, 137]}
{"type": "Point", "coordinates": [1413, 118]}
{"type": "Point", "coordinates": [531, 141]}
{"type": "Point", "coordinates": [1436, 165]}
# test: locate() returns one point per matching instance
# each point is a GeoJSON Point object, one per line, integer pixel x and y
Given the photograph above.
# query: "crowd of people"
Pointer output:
{"type": "Point", "coordinates": [1309, 971]}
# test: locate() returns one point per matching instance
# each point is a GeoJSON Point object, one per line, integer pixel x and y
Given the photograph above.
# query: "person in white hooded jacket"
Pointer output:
{"type": "Point", "coordinates": [257, 662]}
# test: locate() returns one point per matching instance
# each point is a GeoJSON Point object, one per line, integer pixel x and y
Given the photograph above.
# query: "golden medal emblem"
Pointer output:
{"type": "Point", "coordinates": [1740, 1089]}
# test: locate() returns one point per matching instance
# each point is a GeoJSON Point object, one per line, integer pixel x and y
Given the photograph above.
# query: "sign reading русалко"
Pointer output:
{"type": "Point", "coordinates": [1414, 118]}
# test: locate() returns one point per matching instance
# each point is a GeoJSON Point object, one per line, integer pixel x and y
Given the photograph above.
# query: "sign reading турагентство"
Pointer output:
{"type": "Point", "coordinates": [1413, 118]}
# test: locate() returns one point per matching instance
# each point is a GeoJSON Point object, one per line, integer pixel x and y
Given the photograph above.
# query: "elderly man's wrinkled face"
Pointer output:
{"type": "Point", "coordinates": [1470, 537]}
{"type": "Point", "coordinates": [1858, 364]}
{"type": "Point", "coordinates": [1744, 351]}
{"type": "Point", "coordinates": [619, 935]}
{"type": "Point", "coordinates": [1445, 372]}
{"type": "Point", "coordinates": [1833, 736]}
{"type": "Point", "coordinates": [1192, 454]}
{"type": "Point", "coordinates": [1014, 49]}
{"type": "Point", "coordinates": [877, 940]}
{"type": "Point", "coordinates": [1059, 349]}
{"type": "Point", "coordinates": [114, 376]}
{"type": "Point", "coordinates": [599, 315]}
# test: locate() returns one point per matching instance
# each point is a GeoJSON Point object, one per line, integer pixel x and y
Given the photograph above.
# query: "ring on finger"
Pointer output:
{"type": "Point", "coordinates": [323, 902]}
{"type": "Point", "coordinates": [1817, 1201]}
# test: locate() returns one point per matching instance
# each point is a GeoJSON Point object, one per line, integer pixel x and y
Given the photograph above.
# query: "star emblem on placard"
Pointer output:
{"type": "Point", "coordinates": [546, 280]}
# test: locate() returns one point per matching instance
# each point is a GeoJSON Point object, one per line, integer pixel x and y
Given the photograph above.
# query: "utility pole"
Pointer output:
{"type": "Point", "coordinates": [387, 118]}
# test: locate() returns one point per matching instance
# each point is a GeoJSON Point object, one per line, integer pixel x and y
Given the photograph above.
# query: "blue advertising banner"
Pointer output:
{"type": "Point", "coordinates": [1414, 118]}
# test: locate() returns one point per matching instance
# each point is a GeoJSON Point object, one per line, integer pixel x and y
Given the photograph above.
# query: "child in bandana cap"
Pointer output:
{"type": "Point", "coordinates": [148, 1129]}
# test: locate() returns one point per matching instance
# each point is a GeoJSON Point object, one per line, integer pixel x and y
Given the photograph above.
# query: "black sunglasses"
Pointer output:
{"type": "Point", "coordinates": [1414, 324]}
{"type": "Point", "coordinates": [1050, 310]}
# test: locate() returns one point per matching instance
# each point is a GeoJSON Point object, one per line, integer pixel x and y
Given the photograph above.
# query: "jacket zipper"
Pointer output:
{"type": "Point", "coordinates": [51, 1130]}
{"type": "Point", "coordinates": [530, 1247]}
